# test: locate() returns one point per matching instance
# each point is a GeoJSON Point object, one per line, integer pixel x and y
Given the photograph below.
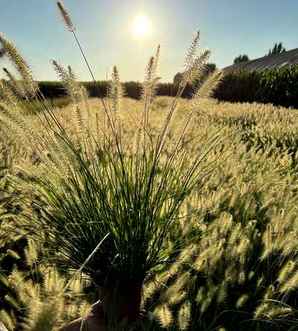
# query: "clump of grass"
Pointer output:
{"type": "Point", "coordinates": [108, 206]}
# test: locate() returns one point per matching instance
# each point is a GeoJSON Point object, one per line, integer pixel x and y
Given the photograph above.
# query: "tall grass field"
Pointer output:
{"type": "Point", "coordinates": [159, 214]}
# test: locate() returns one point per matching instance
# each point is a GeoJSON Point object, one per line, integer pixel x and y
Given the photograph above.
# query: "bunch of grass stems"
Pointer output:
{"type": "Point", "coordinates": [106, 206]}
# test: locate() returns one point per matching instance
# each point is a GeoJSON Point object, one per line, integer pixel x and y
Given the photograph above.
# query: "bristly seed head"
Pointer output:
{"type": "Point", "coordinates": [20, 64]}
{"type": "Point", "coordinates": [66, 17]}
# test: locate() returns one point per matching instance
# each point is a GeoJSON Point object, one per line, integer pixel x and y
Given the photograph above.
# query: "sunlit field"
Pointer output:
{"type": "Point", "coordinates": [230, 257]}
{"type": "Point", "coordinates": [161, 213]}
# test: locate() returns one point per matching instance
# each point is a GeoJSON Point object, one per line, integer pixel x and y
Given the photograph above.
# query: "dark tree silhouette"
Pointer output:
{"type": "Point", "coordinates": [278, 48]}
{"type": "Point", "coordinates": [211, 67]}
{"type": "Point", "coordinates": [241, 59]}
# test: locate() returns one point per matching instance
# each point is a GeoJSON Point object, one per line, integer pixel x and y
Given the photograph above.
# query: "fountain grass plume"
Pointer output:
{"type": "Point", "coordinates": [209, 85]}
{"type": "Point", "coordinates": [15, 85]}
{"type": "Point", "coordinates": [115, 92]}
{"type": "Point", "coordinates": [65, 16]}
{"type": "Point", "coordinates": [20, 64]}
{"type": "Point", "coordinates": [69, 25]}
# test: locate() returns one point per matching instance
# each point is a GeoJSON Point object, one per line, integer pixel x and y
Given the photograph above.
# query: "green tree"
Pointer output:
{"type": "Point", "coordinates": [241, 59]}
{"type": "Point", "coordinates": [211, 67]}
{"type": "Point", "coordinates": [278, 48]}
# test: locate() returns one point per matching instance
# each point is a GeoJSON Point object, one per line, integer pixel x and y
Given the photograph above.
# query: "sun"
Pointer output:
{"type": "Point", "coordinates": [141, 26]}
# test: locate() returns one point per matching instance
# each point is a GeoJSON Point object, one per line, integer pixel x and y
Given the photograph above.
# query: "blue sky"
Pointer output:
{"type": "Point", "coordinates": [228, 28]}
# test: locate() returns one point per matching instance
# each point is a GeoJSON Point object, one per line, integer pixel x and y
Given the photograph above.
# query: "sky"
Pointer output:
{"type": "Point", "coordinates": [228, 28]}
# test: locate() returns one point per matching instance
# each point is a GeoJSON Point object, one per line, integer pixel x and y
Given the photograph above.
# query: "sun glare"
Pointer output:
{"type": "Point", "coordinates": [141, 26]}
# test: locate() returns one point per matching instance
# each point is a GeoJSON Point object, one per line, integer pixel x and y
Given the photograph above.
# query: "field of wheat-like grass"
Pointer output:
{"type": "Point", "coordinates": [229, 260]}
{"type": "Point", "coordinates": [158, 214]}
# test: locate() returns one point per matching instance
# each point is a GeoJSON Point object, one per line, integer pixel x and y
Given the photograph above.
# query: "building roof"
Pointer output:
{"type": "Point", "coordinates": [285, 59]}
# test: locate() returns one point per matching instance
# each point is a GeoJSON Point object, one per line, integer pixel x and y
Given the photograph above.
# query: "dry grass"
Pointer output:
{"type": "Point", "coordinates": [239, 233]}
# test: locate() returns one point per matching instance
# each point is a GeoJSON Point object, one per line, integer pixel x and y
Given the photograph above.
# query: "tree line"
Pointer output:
{"type": "Point", "coordinates": [278, 48]}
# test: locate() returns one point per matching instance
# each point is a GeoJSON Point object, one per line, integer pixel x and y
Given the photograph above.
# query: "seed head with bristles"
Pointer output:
{"type": "Point", "coordinates": [191, 53]}
{"type": "Point", "coordinates": [65, 16]}
{"type": "Point", "coordinates": [197, 69]}
{"type": "Point", "coordinates": [209, 86]}
{"type": "Point", "coordinates": [150, 85]}
{"type": "Point", "coordinates": [71, 73]}
{"type": "Point", "coordinates": [184, 316]}
{"type": "Point", "coordinates": [164, 315]}
{"type": "Point", "coordinates": [148, 79]}
{"type": "Point", "coordinates": [151, 78]}
{"type": "Point", "coordinates": [20, 64]}
{"type": "Point", "coordinates": [156, 61]}
{"type": "Point", "coordinates": [68, 79]}
{"type": "Point", "coordinates": [116, 90]}
{"type": "Point", "coordinates": [15, 85]}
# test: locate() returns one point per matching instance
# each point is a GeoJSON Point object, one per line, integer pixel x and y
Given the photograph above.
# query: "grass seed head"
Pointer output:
{"type": "Point", "coordinates": [65, 16]}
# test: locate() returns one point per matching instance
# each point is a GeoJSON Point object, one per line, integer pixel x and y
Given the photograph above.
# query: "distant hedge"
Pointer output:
{"type": "Point", "coordinates": [132, 89]}
{"type": "Point", "coordinates": [277, 86]}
